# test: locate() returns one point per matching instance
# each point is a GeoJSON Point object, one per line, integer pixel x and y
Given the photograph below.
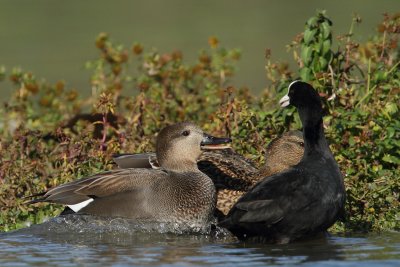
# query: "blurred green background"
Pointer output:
{"type": "Point", "coordinates": [54, 39]}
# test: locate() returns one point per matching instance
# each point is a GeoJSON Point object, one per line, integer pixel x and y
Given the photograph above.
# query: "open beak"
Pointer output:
{"type": "Point", "coordinates": [211, 142]}
{"type": "Point", "coordinates": [285, 101]}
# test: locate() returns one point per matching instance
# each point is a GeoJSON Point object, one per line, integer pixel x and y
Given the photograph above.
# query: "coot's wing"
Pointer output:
{"type": "Point", "coordinates": [273, 199]}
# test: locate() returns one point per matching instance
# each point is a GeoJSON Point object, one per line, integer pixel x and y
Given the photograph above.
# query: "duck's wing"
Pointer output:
{"type": "Point", "coordinates": [276, 198]}
{"type": "Point", "coordinates": [140, 160]}
{"type": "Point", "coordinates": [102, 185]}
{"type": "Point", "coordinates": [227, 169]}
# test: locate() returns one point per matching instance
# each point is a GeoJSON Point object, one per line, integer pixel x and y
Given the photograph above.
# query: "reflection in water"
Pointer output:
{"type": "Point", "coordinates": [80, 241]}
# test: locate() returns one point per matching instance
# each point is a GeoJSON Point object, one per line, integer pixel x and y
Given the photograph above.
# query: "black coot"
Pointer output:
{"type": "Point", "coordinates": [302, 201]}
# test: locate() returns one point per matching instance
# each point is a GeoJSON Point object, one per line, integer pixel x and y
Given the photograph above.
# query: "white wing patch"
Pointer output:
{"type": "Point", "coordinates": [79, 206]}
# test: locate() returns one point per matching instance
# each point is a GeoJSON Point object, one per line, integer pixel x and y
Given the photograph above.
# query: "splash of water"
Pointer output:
{"type": "Point", "coordinates": [92, 225]}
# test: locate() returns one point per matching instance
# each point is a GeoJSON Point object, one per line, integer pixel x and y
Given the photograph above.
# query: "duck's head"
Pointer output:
{"type": "Point", "coordinates": [285, 151]}
{"type": "Point", "coordinates": [180, 145]}
{"type": "Point", "coordinates": [301, 95]}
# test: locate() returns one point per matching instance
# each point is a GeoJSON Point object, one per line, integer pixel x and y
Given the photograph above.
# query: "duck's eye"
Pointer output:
{"type": "Point", "coordinates": [302, 144]}
{"type": "Point", "coordinates": [185, 133]}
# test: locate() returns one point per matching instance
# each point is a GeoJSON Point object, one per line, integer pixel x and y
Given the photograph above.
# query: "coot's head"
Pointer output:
{"type": "Point", "coordinates": [300, 95]}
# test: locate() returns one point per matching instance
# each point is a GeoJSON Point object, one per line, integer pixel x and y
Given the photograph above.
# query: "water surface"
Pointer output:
{"type": "Point", "coordinates": [116, 243]}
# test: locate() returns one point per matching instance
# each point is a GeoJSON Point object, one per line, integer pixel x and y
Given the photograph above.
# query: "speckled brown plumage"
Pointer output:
{"type": "Point", "coordinates": [228, 169]}
{"type": "Point", "coordinates": [283, 152]}
{"type": "Point", "coordinates": [233, 175]}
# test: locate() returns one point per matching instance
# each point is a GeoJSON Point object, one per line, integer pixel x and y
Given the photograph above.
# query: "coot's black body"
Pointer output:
{"type": "Point", "coordinates": [302, 201]}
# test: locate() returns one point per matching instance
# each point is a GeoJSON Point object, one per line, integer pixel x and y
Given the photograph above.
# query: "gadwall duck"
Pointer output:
{"type": "Point", "coordinates": [176, 192]}
{"type": "Point", "coordinates": [233, 174]}
{"type": "Point", "coordinates": [302, 201]}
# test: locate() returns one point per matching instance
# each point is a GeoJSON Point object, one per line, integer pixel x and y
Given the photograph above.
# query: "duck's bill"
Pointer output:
{"type": "Point", "coordinates": [210, 142]}
{"type": "Point", "coordinates": [285, 101]}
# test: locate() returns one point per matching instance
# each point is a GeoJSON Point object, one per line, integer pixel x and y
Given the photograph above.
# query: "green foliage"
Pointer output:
{"type": "Point", "coordinates": [316, 46]}
{"type": "Point", "coordinates": [360, 86]}
{"type": "Point", "coordinates": [50, 134]}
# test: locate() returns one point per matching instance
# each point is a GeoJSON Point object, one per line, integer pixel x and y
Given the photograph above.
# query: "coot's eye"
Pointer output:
{"type": "Point", "coordinates": [185, 133]}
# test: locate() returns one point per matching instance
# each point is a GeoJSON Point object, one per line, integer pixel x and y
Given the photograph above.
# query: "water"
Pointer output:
{"type": "Point", "coordinates": [75, 242]}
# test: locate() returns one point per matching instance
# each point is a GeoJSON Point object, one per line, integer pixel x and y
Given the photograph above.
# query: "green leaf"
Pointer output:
{"type": "Point", "coordinates": [351, 141]}
{"type": "Point", "coordinates": [312, 22]}
{"type": "Point", "coordinates": [309, 35]}
{"type": "Point", "coordinates": [391, 108]}
{"type": "Point", "coordinates": [315, 64]}
{"type": "Point", "coordinates": [380, 76]}
{"type": "Point", "coordinates": [396, 142]}
{"type": "Point", "coordinates": [305, 74]}
{"type": "Point", "coordinates": [377, 128]}
{"type": "Point", "coordinates": [390, 132]}
{"type": "Point", "coordinates": [323, 63]}
{"type": "Point", "coordinates": [325, 29]}
{"type": "Point", "coordinates": [306, 54]}
{"type": "Point", "coordinates": [389, 198]}
{"type": "Point", "coordinates": [391, 159]}
{"type": "Point", "coordinates": [326, 46]}
{"type": "Point", "coordinates": [329, 57]}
